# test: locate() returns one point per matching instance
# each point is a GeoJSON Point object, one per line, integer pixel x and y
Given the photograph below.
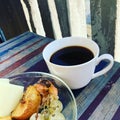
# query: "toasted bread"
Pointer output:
{"type": "Point", "coordinates": [28, 105]}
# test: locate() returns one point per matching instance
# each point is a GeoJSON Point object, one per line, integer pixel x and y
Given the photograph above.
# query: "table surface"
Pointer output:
{"type": "Point", "coordinates": [99, 100]}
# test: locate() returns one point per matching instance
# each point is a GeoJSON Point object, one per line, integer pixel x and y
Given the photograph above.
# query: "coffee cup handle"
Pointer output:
{"type": "Point", "coordinates": [107, 68]}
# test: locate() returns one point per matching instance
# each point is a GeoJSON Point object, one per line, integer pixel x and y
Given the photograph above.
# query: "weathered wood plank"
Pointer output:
{"type": "Point", "coordinates": [33, 16]}
{"type": "Point", "coordinates": [46, 18]}
{"type": "Point", "coordinates": [117, 34]}
{"type": "Point", "coordinates": [77, 17]}
{"type": "Point", "coordinates": [91, 91]}
{"type": "Point", "coordinates": [26, 12]}
{"type": "Point", "coordinates": [55, 20]}
{"type": "Point", "coordinates": [109, 105]}
{"type": "Point", "coordinates": [60, 18]}
{"type": "Point", "coordinates": [103, 16]}
{"type": "Point", "coordinates": [62, 11]}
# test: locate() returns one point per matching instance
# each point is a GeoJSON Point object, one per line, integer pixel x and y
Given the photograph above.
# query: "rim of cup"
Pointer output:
{"type": "Point", "coordinates": [55, 45]}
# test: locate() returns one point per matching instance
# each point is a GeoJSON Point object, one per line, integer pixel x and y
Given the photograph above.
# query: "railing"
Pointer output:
{"type": "Point", "coordinates": [56, 18]}
{"type": "Point", "coordinates": [60, 18]}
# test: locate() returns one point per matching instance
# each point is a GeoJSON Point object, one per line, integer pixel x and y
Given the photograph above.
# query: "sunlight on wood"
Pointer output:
{"type": "Point", "coordinates": [26, 15]}
{"type": "Point", "coordinates": [77, 17]}
{"type": "Point", "coordinates": [54, 18]}
{"type": "Point", "coordinates": [117, 36]}
{"type": "Point", "coordinates": [36, 16]}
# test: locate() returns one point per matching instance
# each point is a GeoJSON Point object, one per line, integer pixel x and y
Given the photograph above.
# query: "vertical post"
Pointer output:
{"type": "Point", "coordinates": [77, 17]}
{"type": "Point", "coordinates": [62, 11]}
{"type": "Point", "coordinates": [117, 34]}
{"type": "Point", "coordinates": [54, 19]}
{"type": "Point", "coordinates": [26, 12]}
{"type": "Point", "coordinates": [33, 16]}
{"type": "Point", "coordinates": [103, 19]}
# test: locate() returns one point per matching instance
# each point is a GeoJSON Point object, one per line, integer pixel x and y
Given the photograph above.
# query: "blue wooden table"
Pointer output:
{"type": "Point", "coordinates": [99, 100]}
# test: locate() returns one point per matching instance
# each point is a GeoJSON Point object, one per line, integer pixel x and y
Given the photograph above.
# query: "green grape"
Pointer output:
{"type": "Point", "coordinates": [56, 105]}
{"type": "Point", "coordinates": [56, 116]}
{"type": "Point", "coordinates": [45, 113]}
{"type": "Point", "coordinates": [39, 117]}
{"type": "Point", "coordinates": [53, 97]}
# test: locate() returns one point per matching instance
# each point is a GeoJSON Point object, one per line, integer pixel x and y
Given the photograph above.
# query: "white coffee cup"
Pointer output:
{"type": "Point", "coordinates": [76, 76]}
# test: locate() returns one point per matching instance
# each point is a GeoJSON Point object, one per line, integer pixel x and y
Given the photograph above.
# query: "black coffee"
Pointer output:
{"type": "Point", "coordinates": [72, 55]}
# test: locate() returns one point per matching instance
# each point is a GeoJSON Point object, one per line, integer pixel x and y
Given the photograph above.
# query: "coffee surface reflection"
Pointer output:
{"type": "Point", "coordinates": [72, 55]}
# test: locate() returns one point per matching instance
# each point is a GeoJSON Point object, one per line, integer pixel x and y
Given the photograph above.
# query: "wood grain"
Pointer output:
{"type": "Point", "coordinates": [103, 16]}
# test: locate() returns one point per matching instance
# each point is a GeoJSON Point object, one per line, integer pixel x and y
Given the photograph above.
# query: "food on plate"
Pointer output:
{"type": "Point", "coordinates": [4, 80]}
{"type": "Point", "coordinates": [51, 112]}
{"type": "Point", "coordinates": [10, 96]}
{"type": "Point", "coordinates": [37, 116]}
{"type": "Point", "coordinates": [56, 106]}
{"type": "Point", "coordinates": [51, 107]}
{"type": "Point", "coordinates": [6, 118]}
{"type": "Point", "coordinates": [56, 116]}
{"type": "Point", "coordinates": [28, 105]}
{"type": "Point", "coordinates": [53, 116]}
{"type": "Point", "coordinates": [38, 102]}
{"type": "Point", "coordinates": [45, 87]}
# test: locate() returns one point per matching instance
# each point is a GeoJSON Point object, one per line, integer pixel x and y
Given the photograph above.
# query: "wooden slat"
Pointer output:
{"type": "Point", "coordinates": [26, 12]}
{"type": "Point", "coordinates": [95, 94]}
{"type": "Point", "coordinates": [25, 49]}
{"type": "Point", "coordinates": [60, 18]}
{"type": "Point", "coordinates": [46, 18]}
{"type": "Point", "coordinates": [117, 34]}
{"type": "Point", "coordinates": [109, 105]}
{"type": "Point", "coordinates": [77, 17]}
{"type": "Point", "coordinates": [103, 16]}
{"type": "Point", "coordinates": [33, 16]}
{"type": "Point", "coordinates": [62, 11]}
{"type": "Point", "coordinates": [55, 20]}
